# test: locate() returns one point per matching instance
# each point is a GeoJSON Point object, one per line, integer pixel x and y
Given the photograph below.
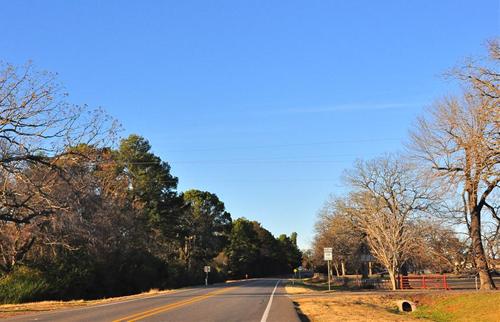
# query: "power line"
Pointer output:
{"type": "Point", "coordinates": [263, 161]}
{"type": "Point", "coordinates": [286, 145]}
{"type": "Point", "coordinates": [287, 159]}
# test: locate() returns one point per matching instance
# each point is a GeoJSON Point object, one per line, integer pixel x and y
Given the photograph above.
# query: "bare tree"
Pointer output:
{"type": "Point", "coordinates": [460, 141]}
{"type": "Point", "coordinates": [438, 248]}
{"type": "Point", "coordinates": [335, 229]}
{"type": "Point", "coordinates": [388, 194]}
{"type": "Point", "coordinates": [38, 128]}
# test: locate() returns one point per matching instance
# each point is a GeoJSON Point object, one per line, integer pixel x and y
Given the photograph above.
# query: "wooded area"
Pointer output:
{"type": "Point", "coordinates": [84, 214]}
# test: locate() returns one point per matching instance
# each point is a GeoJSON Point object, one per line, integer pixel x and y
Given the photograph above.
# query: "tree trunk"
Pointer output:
{"type": "Point", "coordinates": [392, 276]}
{"type": "Point", "coordinates": [342, 264]}
{"type": "Point", "coordinates": [364, 270]}
{"type": "Point", "coordinates": [478, 251]}
{"type": "Point", "coordinates": [336, 266]}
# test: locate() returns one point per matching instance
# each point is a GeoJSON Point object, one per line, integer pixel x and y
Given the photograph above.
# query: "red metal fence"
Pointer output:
{"type": "Point", "coordinates": [423, 282]}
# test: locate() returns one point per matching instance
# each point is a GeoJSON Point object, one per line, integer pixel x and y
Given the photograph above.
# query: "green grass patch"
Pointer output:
{"type": "Point", "coordinates": [21, 285]}
{"type": "Point", "coordinates": [480, 307]}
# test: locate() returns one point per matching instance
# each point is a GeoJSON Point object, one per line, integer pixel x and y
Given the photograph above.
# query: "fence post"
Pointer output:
{"type": "Point", "coordinates": [401, 285]}
{"type": "Point", "coordinates": [423, 281]}
{"type": "Point", "coordinates": [445, 283]}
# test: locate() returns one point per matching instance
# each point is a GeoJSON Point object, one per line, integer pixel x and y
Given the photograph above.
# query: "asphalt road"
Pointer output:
{"type": "Point", "coordinates": [254, 300]}
{"type": "Point", "coordinates": [467, 283]}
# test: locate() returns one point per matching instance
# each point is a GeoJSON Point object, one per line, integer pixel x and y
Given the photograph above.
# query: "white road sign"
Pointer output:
{"type": "Point", "coordinates": [328, 253]}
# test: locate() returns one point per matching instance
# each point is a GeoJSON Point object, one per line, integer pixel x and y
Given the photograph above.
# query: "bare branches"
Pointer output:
{"type": "Point", "coordinates": [336, 228]}
{"type": "Point", "coordinates": [37, 128]}
{"type": "Point", "coordinates": [36, 120]}
{"type": "Point", "coordinates": [482, 77]}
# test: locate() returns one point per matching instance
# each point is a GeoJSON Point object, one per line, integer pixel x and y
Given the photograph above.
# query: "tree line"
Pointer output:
{"type": "Point", "coordinates": [85, 214]}
{"type": "Point", "coordinates": [436, 206]}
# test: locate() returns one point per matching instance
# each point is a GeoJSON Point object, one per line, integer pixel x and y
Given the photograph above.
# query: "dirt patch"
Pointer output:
{"type": "Point", "coordinates": [429, 300]}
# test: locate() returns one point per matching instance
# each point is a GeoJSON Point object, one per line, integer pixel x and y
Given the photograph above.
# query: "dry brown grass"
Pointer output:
{"type": "Point", "coordinates": [350, 308]}
{"type": "Point", "coordinates": [7, 310]}
{"type": "Point", "coordinates": [324, 306]}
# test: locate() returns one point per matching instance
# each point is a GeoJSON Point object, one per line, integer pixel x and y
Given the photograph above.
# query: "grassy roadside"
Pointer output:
{"type": "Point", "coordinates": [484, 307]}
{"type": "Point", "coordinates": [315, 304]}
{"type": "Point", "coordinates": [303, 286]}
{"type": "Point", "coordinates": [336, 305]}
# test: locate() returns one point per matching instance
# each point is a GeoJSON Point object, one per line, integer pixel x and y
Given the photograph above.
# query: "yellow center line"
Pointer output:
{"type": "Point", "coordinates": [161, 309]}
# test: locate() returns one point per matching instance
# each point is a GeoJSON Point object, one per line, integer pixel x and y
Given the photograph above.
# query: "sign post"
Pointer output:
{"type": "Point", "coordinates": [206, 269]}
{"type": "Point", "coordinates": [328, 256]}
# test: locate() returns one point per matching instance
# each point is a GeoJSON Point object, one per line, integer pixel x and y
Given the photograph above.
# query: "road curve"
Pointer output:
{"type": "Point", "coordinates": [261, 300]}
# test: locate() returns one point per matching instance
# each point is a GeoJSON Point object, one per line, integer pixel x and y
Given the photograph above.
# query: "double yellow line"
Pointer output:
{"type": "Point", "coordinates": [171, 306]}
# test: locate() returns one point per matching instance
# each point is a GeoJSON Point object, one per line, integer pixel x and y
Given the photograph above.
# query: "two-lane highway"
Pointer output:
{"type": "Point", "coordinates": [254, 300]}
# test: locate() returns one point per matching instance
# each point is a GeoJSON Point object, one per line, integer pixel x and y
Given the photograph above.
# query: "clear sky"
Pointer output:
{"type": "Point", "coordinates": [262, 102]}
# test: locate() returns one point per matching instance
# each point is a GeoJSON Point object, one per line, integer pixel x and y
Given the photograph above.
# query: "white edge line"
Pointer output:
{"type": "Point", "coordinates": [268, 308]}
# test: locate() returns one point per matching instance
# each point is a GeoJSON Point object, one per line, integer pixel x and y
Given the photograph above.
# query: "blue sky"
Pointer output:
{"type": "Point", "coordinates": [264, 103]}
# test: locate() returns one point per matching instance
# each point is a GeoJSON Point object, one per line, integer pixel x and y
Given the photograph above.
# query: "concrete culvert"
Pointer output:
{"type": "Point", "coordinates": [406, 306]}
